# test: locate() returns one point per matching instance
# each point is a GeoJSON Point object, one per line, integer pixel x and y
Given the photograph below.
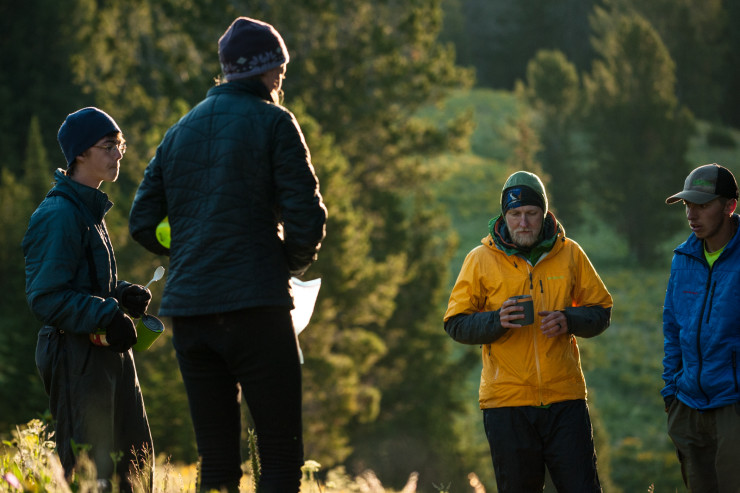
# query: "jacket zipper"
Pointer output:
{"type": "Point", "coordinates": [534, 340]}
{"type": "Point", "coordinates": [711, 301]}
{"type": "Point", "coordinates": [704, 308]}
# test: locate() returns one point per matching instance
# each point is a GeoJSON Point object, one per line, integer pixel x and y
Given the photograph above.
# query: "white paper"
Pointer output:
{"type": "Point", "coordinates": [304, 299]}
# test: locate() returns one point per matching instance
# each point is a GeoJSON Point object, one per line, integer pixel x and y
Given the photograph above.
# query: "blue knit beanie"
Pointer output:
{"type": "Point", "coordinates": [82, 129]}
{"type": "Point", "coordinates": [250, 47]}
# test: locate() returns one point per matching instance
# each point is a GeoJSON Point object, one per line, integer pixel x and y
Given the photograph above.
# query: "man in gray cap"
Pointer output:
{"type": "Point", "coordinates": [701, 327]}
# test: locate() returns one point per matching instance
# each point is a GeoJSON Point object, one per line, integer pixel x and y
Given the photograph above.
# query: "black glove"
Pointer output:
{"type": "Point", "coordinates": [121, 333]}
{"type": "Point", "coordinates": [135, 299]}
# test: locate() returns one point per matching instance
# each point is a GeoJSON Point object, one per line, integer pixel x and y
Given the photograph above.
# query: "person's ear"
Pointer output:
{"type": "Point", "coordinates": [730, 207]}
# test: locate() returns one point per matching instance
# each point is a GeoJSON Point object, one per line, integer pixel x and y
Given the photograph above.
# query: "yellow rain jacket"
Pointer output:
{"type": "Point", "coordinates": [522, 367]}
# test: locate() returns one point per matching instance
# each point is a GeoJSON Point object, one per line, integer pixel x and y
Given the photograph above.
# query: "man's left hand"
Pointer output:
{"type": "Point", "coordinates": [553, 324]}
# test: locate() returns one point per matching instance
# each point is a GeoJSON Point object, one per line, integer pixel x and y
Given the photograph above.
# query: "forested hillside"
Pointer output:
{"type": "Point", "coordinates": [415, 112]}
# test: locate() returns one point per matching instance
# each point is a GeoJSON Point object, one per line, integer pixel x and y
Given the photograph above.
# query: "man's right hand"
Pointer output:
{"type": "Point", "coordinates": [121, 333]}
{"type": "Point", "coordinates": [511, 311]}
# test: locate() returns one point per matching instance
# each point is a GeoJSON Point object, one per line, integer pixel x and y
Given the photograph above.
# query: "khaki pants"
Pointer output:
{"type": "Point", "coordinates": [708, 446]}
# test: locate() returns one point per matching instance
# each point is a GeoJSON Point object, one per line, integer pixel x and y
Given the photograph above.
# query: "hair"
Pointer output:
{"type": "Point", "coordinates": [277, 97]}
{"type": "Point", "coordinates": [71, 167]}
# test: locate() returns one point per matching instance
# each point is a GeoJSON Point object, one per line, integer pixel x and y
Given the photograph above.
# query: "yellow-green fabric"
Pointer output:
{"type": "Point", "coordinates": [711, 257]}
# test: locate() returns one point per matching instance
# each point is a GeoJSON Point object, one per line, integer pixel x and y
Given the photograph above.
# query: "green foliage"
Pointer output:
{"type": "Point", "coordinates": [553, 92]}
{"type": "Point", "coordinates": [696, 33]}
{"type": "Point", "coordinates": [704, 152]}
{"type": "Point", "coordinates": [499, 37]}
{"type": "Point", "coordinates": [255, 469]}
{"type": "Point", "coordinates": [720, 137]}
{"type": "Point", "coordinates": [637, 131]}
{"type": "Point", "coordinates": [28, 461]}
{"type": "Point", "coordinates": [552, 84]}
{"type": "Point", "coordinates": [21, 393]}
{"type": "Point", "coordinates": [626, 361]}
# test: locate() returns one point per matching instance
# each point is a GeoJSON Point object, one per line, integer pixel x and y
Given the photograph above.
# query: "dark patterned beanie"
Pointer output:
{"type": "Point", "coordinates": [250, 47]}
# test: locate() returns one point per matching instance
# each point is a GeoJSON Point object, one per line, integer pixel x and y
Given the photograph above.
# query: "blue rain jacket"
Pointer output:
{"type": "Point", "coordinates": [701, 326]}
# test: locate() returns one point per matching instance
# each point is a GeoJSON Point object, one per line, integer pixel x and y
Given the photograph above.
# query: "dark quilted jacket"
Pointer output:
{"type": "Point", "coordinates": [65, 234]}
{"type": "Point", "coordinates": [235, 178]}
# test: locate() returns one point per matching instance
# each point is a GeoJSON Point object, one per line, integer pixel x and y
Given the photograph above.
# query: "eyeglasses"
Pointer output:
{"type": "Point", "coordinates": [109, 147]}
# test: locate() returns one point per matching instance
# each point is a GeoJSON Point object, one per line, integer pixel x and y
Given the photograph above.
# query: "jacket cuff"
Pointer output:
{"type": "Point", "coordinates": [587, 321]}
{"type": "Point", "coordinates": [475, 328]}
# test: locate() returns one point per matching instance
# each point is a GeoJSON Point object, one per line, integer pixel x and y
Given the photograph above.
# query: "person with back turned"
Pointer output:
{"type": "Point", "coordinates": [235, 180]}
{"type": "Point", "coordinates": [532, 390]}
{"type": "Point", "coordinates": [701, 329]}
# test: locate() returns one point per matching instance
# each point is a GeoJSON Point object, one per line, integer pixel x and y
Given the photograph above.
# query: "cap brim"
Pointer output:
{"type": "Point", "coordinates": [691, 196]}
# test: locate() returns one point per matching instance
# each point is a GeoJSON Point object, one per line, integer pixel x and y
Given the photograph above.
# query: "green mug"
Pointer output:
{"type": "Point", "coordinates": [148, 330]}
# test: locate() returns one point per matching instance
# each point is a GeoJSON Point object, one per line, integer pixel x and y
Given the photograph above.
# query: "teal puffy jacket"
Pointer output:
{"type": "Point", "coordinates": [59, 286]}
{"type": "Point", "coordinates": [234, 177]}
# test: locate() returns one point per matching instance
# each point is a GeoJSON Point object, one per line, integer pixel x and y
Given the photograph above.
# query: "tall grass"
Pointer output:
{"type": "Point", "coordinates": [29, 463]}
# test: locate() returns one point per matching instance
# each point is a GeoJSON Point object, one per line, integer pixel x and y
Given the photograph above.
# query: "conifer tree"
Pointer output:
{"type": "Point", "coordinates": [553, 92]}
{"type": "Point", "coordinates": [638, 133]}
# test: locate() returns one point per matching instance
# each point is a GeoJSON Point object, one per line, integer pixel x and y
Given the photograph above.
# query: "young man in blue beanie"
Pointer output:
{"type": "Point", "coordinates": [532, 389]}
{"type": "Point", "coordinates": [701, 328]}
{"type": "Point", "coordinates": [235, 179]}
{"type": "Point", "coordinates": [84, 348]}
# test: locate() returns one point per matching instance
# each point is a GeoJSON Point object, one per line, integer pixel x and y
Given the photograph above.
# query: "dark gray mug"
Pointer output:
{"type": "Point", "coordinates": [525, 300]}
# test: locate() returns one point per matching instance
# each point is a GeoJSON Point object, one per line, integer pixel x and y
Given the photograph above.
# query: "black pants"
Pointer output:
{"type": "Point", "coordinates": [96, 401]}
{"type": "Point", "coordinates": [256, 350]}
{"type": "Point", "coordinates": [525, 440]}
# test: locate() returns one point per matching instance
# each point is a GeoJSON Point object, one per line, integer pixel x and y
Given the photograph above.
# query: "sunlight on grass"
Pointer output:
{"type": "Point", "coordinates": [29, 463]}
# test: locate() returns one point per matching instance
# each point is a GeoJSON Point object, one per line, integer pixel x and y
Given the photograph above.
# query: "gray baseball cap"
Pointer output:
{"type": "Point", "coordinates": [706, 183]}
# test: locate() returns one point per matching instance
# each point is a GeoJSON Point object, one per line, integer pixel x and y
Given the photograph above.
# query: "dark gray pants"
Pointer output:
{"type": "Point", "coordinates": [96, 401]}
{"type": "Point", "coordinates": [708, 446]}
{"type": "Point", "coordinates": [524, 440]}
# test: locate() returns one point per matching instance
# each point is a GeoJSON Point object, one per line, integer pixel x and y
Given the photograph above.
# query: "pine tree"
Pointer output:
{"type": "Point", "coordinates": [20, 386]}
{"type": "Point", "coordinates": [553, 92]}
{"type": "Point", "coordinates": [638, 135]}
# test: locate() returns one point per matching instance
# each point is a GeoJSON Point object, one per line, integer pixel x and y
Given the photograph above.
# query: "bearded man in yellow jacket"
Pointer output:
{"type": "Point", "coordinates": [532, 389]}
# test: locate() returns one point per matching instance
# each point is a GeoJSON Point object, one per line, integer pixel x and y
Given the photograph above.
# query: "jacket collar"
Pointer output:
{"type": "Point", "coordinates": [500, 237]}
{"type": "Point", "coordinates": [695, 247]}
{"type": "Point", "coordinates": [93, 199]}
{"type": "Point", "coordinates": [249, 86]}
